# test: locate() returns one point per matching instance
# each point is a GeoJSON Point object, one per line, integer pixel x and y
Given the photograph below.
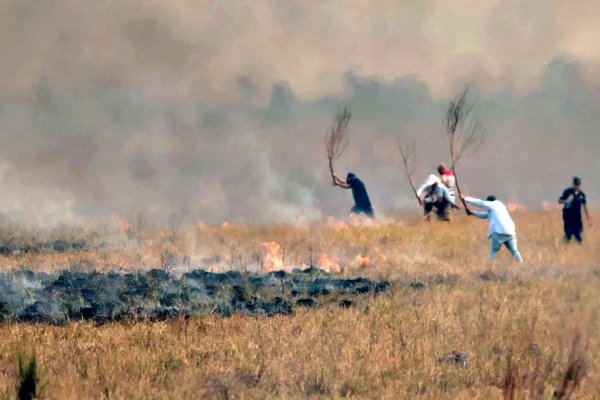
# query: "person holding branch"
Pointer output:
{"type": "Point", "coordinates": [336, 142]}
{"type": "Point", "coordinates": [362, 203]}
{"type": "Point", "coordinates": [501, 227]}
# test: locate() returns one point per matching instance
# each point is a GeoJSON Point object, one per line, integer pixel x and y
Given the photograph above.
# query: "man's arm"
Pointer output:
{"type": "Point", "coordinates": [563, 198]}
{"type": "Point", "coordinates": [420, 191]}
{"type": "Point", "coordinates": [427, 184]}
{"type": "Point", "coordinates": [587, 214]}
{"type": "Point", "coordinates": [480, 214]}
{"type": "Point", "coordinates": [340, 182]}
{"type": "Point", "coordinates": [448, 197]}
{"type": "Point", "coordinates": [476, 202]}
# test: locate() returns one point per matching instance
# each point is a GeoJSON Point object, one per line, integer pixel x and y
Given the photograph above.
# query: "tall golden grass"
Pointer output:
{"type": "Point", "coordinates": [447, 329]}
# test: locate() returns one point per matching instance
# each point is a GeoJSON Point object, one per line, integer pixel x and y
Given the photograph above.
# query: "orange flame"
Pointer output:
{"type": "Point", "coordinates": [272, 260]}
{"type": "Point", "coordinates": [362, 260]}
{"type": "Point", "coordinates": [327, 265]}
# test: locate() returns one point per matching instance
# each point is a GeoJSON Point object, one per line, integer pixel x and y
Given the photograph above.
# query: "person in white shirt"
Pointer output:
{"type": "Point", "coordinates": [501, 228]}
{"type": "Point", "coordinates": [434, 194]}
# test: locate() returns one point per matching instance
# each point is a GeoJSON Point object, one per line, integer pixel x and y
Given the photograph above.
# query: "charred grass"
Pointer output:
{"type": "Point", "coordinates": [448, 328]}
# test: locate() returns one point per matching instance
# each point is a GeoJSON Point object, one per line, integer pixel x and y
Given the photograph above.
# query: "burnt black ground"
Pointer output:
{"type": "Point", "coordinates": [65, 296]}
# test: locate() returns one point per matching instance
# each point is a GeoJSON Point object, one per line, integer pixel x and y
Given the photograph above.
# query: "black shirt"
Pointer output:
{"type": "Point", "coordinates": [359, 192]}
{"type": "Point", "coordinates": [574, 202]}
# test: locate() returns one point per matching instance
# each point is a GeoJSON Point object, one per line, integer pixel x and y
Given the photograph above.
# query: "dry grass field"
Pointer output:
{"type": "Point", "coordinates": [447, 329]}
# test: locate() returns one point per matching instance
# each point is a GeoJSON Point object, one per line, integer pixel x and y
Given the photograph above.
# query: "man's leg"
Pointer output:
{"type": "Point", "coordinates": [443, 211]}
{"type": "Point", "coordinates": [567, 228]}
{"type": "Point", "coordinates": [439, 212]}
{"type": "Point", "coordinates": [495, 246]}
{"type": "Point", "coordinates": [448, 212]}
{"type": "Point", "coordinates": [511, 245]}
{"type": "Point", "coordinates": [427, 207]}
{"type": "Point", "coordinates": [577, 229]}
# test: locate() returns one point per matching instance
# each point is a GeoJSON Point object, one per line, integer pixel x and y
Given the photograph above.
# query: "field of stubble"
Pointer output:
{"type": "Point", "coordinates": [447, 328]}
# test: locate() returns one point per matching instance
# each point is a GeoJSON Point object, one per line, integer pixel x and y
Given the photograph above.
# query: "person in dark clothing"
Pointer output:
{"type": "Point", "coordinates": [362, 204]}
{"type": "Point", "coordinates": [573, 199]}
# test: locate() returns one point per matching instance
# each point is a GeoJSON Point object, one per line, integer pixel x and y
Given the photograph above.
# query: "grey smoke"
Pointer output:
{"type": "Point", "coordinates": [180, 108]}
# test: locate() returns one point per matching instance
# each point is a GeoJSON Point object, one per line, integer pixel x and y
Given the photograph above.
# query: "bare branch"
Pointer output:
{"type": "Point", "coordinates": [463, 131]}
{"type": "Point", "coordinates": [408, 154]}
{"type": "Point", "coordinates": [336, 140]}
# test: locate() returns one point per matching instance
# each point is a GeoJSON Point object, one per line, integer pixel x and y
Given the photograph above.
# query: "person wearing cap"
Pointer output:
{"type": "Point", "coordinates": [362, 203]}
{"type": "Point", "coordinates": [434, 194]}
{"type": "Point", "coordinates": [501, 227]}
{"type": "Point", "coordinates": [573, 199]}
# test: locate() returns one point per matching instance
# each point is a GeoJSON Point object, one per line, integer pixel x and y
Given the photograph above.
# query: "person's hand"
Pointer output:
{"type": "Point", "coordinates": [462, 196]}
{"type": "Point", "coordinates": [334, 178]}
{"type": "Point", "coordinates": [420, 201]}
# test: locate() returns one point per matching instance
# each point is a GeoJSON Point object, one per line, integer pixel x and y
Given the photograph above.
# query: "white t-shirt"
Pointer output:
{"type": "Point", "coordinates": [497, 214]}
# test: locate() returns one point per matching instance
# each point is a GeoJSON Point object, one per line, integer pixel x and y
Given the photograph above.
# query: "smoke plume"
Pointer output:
{"type": "Point", "coordinates": [217, 110]}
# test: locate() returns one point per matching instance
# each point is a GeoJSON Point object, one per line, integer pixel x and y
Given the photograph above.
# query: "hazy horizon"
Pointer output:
{"type": "Point", "coordinates": [216, 111]}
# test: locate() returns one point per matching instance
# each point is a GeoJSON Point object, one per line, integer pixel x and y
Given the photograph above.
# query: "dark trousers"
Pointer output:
{"type": "Point", "coordinates": [443, 211]}
{"type": "Point", "coordinates": [573, 227]}
{"type": "Point", "coordinates": [367, 210]}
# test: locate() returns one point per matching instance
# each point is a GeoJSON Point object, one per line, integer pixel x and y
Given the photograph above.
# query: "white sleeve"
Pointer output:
{"type": "Point", "coordinates": [480, 214]}
{"type": "Point", "coordinates": [448, 196]}
{"type": "Point", "coordinates": [431, 179]}
{"type": "Point", "coordinates": [476, 202]}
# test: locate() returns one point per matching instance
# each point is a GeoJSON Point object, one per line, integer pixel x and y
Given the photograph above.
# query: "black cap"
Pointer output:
{"type": "Point", "coordinates": [576, 181]}
{"type": "Point", "coordinates": [491, 197]}
{"type": "Point", "coordinates": [350, 175]}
